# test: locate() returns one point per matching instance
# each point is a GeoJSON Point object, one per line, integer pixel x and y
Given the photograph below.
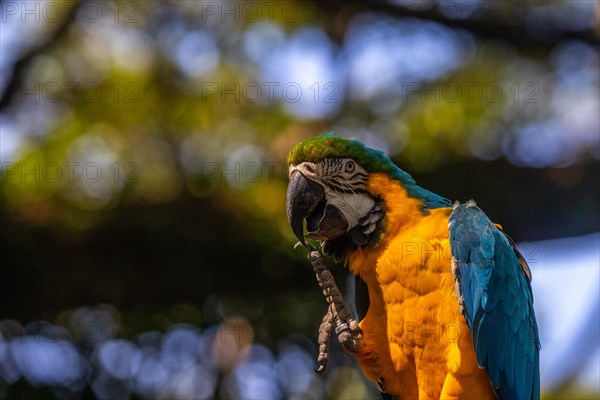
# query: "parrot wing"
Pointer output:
{"type": "Point", "coordinates": [493, 283]}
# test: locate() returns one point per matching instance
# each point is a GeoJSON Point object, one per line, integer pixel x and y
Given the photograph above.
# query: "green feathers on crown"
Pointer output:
{"type": "Point", "coordinates": [318, 148]}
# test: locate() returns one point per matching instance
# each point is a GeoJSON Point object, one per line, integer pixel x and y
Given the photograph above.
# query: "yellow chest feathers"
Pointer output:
{"type": "Point", "coordinates": [415, 337]}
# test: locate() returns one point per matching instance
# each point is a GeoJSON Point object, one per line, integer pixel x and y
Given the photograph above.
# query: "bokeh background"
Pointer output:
{"type": "Point", "coordinates": [146, 252]}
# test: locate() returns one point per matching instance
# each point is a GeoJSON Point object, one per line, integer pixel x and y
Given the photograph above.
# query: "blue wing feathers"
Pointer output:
{"type": "Point", "coordinates": [498, 303]}
{"type": "Point", "coordinates": [509, 365]}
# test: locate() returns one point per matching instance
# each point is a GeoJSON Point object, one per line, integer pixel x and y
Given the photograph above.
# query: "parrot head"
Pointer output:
{"type": "Point", "coordinates": [329, 190]}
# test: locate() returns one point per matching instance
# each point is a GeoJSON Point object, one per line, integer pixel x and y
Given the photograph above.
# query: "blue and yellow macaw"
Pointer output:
{"type": "Point", "coordinates": [450, 308]}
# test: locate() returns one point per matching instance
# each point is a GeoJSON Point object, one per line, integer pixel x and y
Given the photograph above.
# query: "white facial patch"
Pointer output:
{"type": "Point", "coordinates": [354, 206]}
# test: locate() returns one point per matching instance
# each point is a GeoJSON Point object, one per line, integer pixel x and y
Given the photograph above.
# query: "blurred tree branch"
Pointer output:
{"type": "Point", "coordinates": [20, 66]}
{"type": "Point", "coordinates": [487, 27]}
{"type": "Point", "coordinates": [515, 32]}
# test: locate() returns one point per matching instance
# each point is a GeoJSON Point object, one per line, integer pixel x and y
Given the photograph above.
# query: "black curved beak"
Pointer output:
{"type": "Point", "coordinates": [303, 196]}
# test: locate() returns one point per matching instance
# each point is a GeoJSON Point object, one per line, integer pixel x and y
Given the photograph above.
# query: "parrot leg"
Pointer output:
{"type": "Point", "coordinates": [325, 330]}
{"type": "Point", "coordinates": [338, 313]}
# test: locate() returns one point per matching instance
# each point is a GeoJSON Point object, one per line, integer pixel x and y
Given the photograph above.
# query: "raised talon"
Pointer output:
{"type": "Point", "coordinates": [338, 312]}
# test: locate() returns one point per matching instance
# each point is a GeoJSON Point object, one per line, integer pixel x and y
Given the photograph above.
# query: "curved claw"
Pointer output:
{"type": "Point", "coordinates": [308, 245]}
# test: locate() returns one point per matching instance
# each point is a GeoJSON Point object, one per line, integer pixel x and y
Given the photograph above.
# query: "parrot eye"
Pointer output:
{"type": "Point", "coordinates": [350, 166]}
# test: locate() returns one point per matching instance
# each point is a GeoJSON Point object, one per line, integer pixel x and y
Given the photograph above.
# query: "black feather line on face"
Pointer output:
{"type": "Point", "coordinates": [337, 179]}
{"type": "Point", "coordinates": [359, 175]}
{"type": "Point", "coordinates": [339, 189]}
